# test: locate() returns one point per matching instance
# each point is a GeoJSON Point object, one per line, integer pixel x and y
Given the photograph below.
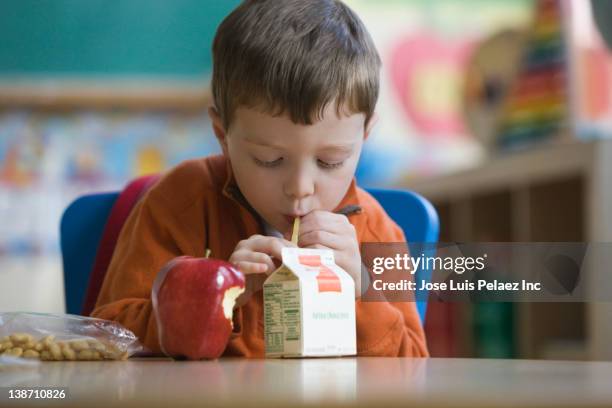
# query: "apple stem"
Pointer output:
{"type": "Point", "coordinates": [207, 254]}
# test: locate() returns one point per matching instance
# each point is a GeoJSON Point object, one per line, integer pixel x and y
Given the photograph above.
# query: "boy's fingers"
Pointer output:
{"type": "Point", "coordinates": [317, 246]}
{"type": "Point", "coordinates": [324, 238]}
{"type": "Point", "coordinates": [326, 221]}
{"type": "Point", "coordinates": [259, 258]}
{"type": "Point", "coordinates": [257, 254]}
{"type": "Point", "coordinates": [247, 267]}
{"type": "Point", "coordinates": [272, 246]}
{"type": "Point", "coordinates": [287, 242]}
{"type": "Point", "coordinates": [320, 219]}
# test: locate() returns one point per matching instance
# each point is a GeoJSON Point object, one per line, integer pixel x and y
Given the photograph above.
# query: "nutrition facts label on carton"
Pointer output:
{"type": "Point", "coordinates": [291, 313]}
{"type": "Point", "coordinates": [282, 317]}
{"type": "Point", "coordinates": [273, 305]}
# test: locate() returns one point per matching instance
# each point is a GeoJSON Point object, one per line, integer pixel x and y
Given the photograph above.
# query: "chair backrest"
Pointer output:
{"type": "Point", "coordinates": [89, 230]}
{"type": "Point", "coordinates": [419, 220]}
{"type": "Point", "coordinates": [81, 229]}
{"type": "Point", "coordinates": [85, 221]}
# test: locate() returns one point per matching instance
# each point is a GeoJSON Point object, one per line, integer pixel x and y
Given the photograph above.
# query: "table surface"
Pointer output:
{"type": "Point", "coordinates": [319, 382]}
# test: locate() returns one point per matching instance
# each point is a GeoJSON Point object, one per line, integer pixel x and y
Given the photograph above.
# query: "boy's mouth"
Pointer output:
{"type": "Point", "coordinates": [290, 218]}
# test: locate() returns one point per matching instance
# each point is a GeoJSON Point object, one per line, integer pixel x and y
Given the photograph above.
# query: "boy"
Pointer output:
{"type": "Point", "coordinates": [294, 84]}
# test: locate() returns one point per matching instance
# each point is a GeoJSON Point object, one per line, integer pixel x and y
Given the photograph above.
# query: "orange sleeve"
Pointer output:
{"type": "Point", "coordinates": [388, 328]}
{"type": "Point", "coordinates": [153, 234]}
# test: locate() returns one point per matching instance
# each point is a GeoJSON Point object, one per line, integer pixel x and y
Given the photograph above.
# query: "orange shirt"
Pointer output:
{"type": "Point", "coordinates": [197, 205]}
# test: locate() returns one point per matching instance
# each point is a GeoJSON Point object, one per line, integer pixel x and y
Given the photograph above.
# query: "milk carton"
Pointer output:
{"type": "Point", "coordinates": [309, 306]}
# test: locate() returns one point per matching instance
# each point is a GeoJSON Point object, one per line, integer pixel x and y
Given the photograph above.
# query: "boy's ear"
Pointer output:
{"type": "Point", "coordinates": [370, 125]}
{"type": "Point", "coordinates": [218, 128]}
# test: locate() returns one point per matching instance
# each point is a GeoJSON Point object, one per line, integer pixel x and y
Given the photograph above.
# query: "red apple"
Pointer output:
{"type": "Point", "coordinates": [193, 301]}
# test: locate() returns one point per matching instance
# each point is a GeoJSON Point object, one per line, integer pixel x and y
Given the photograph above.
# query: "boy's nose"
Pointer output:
{"type": "Point", "coordinates": [299, 186]}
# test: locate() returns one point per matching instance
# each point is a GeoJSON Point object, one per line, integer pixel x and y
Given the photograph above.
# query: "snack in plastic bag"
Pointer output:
{"type": "Point", "coordinates": [58, 337]}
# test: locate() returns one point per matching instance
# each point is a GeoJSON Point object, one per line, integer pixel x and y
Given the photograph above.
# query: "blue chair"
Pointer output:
{"type": "Point", "coordinates": [81, 229]}
{"type": "Point", "coordinates": [419, 220]}
{"type": "Point", "coordinates": [83, 222]}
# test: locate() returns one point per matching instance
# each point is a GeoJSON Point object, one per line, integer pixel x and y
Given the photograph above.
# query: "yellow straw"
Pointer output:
{"type": "Point", "coordinates": [296, 230]}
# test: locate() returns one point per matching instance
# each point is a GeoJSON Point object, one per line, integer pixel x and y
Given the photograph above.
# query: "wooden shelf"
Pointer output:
{"type": "Point", "coordinates": [510, 171]}
{"type": "Point", "coordinates": [560, 192]}
{"type": "Point", "coordinates": [493, 213]}
{"type": "Point", "coordinates": [61, 95]}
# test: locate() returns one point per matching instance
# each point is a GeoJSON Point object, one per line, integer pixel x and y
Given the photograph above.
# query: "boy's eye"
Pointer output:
{"type": "Point", "coordinates": [330, 166]}
{"type": "Point", "coordinates": [264, 163]}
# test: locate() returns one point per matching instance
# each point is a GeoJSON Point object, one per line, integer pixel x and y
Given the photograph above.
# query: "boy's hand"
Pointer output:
{"type": "Point", "coordinates": [327, 230]}
{"type": "Point", "coordinates": [255, 258]}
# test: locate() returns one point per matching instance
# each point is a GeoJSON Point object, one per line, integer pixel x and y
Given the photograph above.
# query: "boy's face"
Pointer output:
{"type": "Point", "coordinates": [286, 170]}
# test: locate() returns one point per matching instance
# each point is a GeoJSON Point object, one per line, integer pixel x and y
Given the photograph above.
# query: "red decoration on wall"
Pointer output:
{"type": "Point", "coordinates": [427, 73]}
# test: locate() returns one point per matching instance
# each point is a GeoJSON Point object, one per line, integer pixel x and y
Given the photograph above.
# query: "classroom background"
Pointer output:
{"type": "Point", "coordinates": [498, 111]}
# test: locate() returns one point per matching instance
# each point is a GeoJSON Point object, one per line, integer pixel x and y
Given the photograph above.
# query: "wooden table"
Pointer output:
{"type": "Point", "coordinates": [362, 381]}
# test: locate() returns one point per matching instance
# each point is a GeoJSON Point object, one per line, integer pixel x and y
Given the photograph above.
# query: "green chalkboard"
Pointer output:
{"type": "Point", "coordinates": [108, 37]}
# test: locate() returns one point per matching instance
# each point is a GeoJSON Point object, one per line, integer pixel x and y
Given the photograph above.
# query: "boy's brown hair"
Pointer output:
{"type": "Point", "coordinates": [294, 57]}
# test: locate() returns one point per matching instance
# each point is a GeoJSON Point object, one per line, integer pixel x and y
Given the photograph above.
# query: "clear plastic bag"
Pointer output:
{"type": "Point", "coordinates": [57, 337]}
{"type": "Point", "coordinates": [16, 362]}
